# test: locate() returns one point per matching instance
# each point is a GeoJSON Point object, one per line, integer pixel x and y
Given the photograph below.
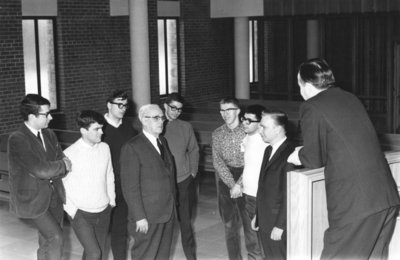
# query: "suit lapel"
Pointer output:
{"type": "Point", "coordinates": [277, 153]}
{"type": "Point", "coordinates": [156, 154]}
{"type": "Point", "coordinates": [34, 140]}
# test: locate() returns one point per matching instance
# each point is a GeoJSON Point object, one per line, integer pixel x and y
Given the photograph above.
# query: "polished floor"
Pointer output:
{"type": "Point", "coordinates": [18, 240]}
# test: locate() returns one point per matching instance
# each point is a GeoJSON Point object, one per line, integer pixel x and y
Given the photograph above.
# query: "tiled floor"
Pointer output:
{"type": "Point", "coordinates": [18, 240]}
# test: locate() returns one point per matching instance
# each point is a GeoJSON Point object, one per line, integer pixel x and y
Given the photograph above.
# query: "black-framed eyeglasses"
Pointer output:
{"type": "Point", "coordinates": [121, 105]}
{"type": "Point", "coordinates": [228, 109]}
{"type": "Point", "coordinates": [175, 109]}
{"type": "Point", "coordinates": [44, 114]}
{"type": "Point", "coordinates": [248, 120]}
{"type": "Point", "coordinates": [157, 118]}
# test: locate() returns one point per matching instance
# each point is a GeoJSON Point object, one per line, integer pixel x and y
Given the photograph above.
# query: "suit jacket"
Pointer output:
{"type": "Point", "coordinates": [338, 134]}
{"type": "Point", "coordinates": [148, 181]}
{"type": "Point", "coordinates": [33, 171]}
{"type": "Point", "coordinates": [271, 193]}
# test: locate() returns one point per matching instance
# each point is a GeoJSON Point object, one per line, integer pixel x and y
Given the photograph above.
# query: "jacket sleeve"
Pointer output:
{"type": "Point", "coordinates": [110, 180]}
{"type": "Point", "coordinates": [20, 150]}
{"type": "Point", "coordinates": [281, 218]}
{"type": "Point", "coordinates": [130, 182]}
{"type": "Point", "coordinates": [313, 130]}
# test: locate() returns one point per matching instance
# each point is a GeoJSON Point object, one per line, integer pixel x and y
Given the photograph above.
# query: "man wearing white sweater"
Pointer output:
{"type": "Point", "coordinates": [90, 192]}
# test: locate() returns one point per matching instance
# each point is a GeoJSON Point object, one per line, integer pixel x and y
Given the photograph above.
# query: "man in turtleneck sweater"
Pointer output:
{"type": "Point", "coordinates": [183, 145]}
{"type": "Point", "coordinates": [117, 131]}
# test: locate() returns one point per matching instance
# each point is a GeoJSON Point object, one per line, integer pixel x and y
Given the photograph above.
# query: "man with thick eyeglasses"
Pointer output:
{"type": "Point", "coordinates": [253, 147]}
{"type": "Point", "coordinates": [183, 145]}
{"type": "Point", "coordinates": [36, 166]}
{"type": "Point", "coordinates": [117, 131]}
{"type": "Point", "coordinates": [149, 187]}
{"type": "Point", "coordinates": [228, 162]}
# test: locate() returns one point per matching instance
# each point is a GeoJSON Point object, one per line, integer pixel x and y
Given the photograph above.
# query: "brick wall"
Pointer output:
{"type": "Point", "coordinates": [12, 86]}
{"type": "Point", "coordinates": [206, 57]}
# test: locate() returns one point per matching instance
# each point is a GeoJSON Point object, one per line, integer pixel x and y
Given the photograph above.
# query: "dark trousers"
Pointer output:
{"type": "Point", "coordinates": [91, 230]}
{"type": "Point", "coordinates": [233, 212]}
{"type": "Point", "coordinates": [250, 204]}
{"type": "Point", "coordinates": [367, 238]}
{"type": "Point", "coordinates": [155, 244]}
{"type": "Point", "coordinates": [273, 249]}
{"type": "Point", "coordinates": [186, 193]}
{"type": "Point", "coordinates": [49, 226]}
{"type": "Point", "coordinates": [119, 229]}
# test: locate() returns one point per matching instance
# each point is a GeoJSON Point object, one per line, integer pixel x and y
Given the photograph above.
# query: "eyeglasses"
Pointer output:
{"type": "Point", "coordinates": [175, 109]}
{"type": "Point", "coordinates": [121, 105]}
{"type": "Point", "coordinates": [44, 114]}
{"type": "Point", "coordinates": [157, 118]}
{"type": "Point", "coordinates": [248, 120]}
{"type": "Point", "coordinates": [228, 109]}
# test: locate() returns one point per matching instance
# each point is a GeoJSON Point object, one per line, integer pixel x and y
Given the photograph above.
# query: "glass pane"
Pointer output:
{"type": "Point", "coordinates": [47, 63]}
{"type": "Point", "coordinates": [31, 86]}
{"type": "Point", "coordinates": [251, 51]}
{"type": "Point", "coordinates": [161, 57]}
{"type": "Point", "coordinates": [172, 48]}
{"type": "Point", "coordinates": [255, 51]}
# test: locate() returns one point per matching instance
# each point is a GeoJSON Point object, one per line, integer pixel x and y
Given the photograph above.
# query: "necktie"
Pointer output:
{"type": "Point", "coordinates": [267, 153]}
{"type": "Point", "coordinates": [39, 138]}
{"type": "Point", "coordinates": [160, 147]}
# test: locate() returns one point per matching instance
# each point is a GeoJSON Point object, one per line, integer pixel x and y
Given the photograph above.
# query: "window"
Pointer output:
{"type": "Point", "coordinates": [39, 58]}
{"type": "Point", "coordinates": [253, 50]}
{"type": "Point", "coordinates": [168, 55]}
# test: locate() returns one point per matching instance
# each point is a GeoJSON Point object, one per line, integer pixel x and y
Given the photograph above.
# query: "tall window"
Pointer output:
{"type": "Point", "coordinates": [253, 51]}
{"type": "Point", "coordinates": [39, 58]}
{"type": "Point", "coordinates": [168, 55]}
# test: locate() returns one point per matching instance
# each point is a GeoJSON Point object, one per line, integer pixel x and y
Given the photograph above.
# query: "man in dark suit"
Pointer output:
{"type": "Point", "coordinates": [36, 166]}
{"type": "Point", "coordinates": [362, 198]}
{"type": "Point", "coordinates": [149, 187]}
{"type": "Point", "coordinates": [271, 203]}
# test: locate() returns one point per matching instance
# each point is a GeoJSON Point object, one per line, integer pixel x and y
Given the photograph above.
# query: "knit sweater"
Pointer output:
{"type": "Point", "coordinates": [89, 186]}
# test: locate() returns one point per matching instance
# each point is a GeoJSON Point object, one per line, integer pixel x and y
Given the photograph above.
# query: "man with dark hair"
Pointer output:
{"type": "Point", "coordinates": [183, 145]}
{"type": "Point", "coordinates": [362, 198]}
{"type": "Point", "coordinates": [253, 148]}
{"type": "Point", "coordinates": [90, 186]}
{"type": "Point", "coordinates": [36, 165]}
{"type": "Point", "coordinates": [270, 217]}
{"type": "Point", "coordinates": [117, 130]}
{"type": "Point", "coordinates": [149, 187]}
{"type": "Point", "coordinates": [228, 163]}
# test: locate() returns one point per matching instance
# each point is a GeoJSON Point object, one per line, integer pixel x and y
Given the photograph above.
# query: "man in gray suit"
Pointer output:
{"type": "Point", "coordinates": [362, 198]}
{"type": "Point", "coordinates": [149, 187]}
{"type": "Point", "coordinates": [36, 166]}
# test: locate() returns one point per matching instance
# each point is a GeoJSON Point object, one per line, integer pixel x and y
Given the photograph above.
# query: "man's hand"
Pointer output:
{"type": "Point", "coordinates": [276, 233]}
{"type": "Point", "coordinates": [142, 226]}
{"type": "Point", "coordinates": [236, 191]}
{"type": "Point", "coordinates": [253, 224]}
{"type": "Point", "coordinates": [294, 156]}
{"type": "Point", "coordinates": [68, 164]}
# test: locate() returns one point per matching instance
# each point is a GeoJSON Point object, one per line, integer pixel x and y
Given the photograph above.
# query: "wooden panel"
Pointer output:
{"type": "Point", "coordinates": [307, 214]}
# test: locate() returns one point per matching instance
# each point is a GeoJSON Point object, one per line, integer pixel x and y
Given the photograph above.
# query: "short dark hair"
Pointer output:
{"type": "Point", "coordinates": [279, 117]}
{"type": "Point", "coordinates": [88, 117]}
{"type": "Point", "coordinates": [317, 72]}
{"type": "Point", "coordinates": [255, 110]}
{"type": "Point", "coordinates": [117, 94]}
{"type": "Point", "coordinates": [174, 97]}
{"type": "Point", "coordinates": [30, 104]}
{"type": "Point", "coordinates": [230, 100]}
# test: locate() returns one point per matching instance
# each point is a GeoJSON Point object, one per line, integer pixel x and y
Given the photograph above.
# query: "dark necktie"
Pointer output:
{"type": "Point", "coordinates": [267, 153]}
{"type": "Point", "coordinates": [160, 147]}
{"type": "Point", "coordinates": [39, 138]}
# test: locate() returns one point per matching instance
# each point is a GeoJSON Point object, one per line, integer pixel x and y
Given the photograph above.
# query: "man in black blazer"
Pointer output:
{"type": "Point", "coordinates": [36, 165]}
{"type": "Point", "coordinates": [362, 198]}
{"type": "Point", "coordinates": [270, 217]}
{"type": "Point", "coordinates": [148, 186]}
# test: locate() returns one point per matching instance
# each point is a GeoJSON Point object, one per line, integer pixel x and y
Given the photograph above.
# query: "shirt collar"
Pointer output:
{"type": "Point", "coordinates": [34, 131]}
{"type": "Point", "coordinates": [110, 122]}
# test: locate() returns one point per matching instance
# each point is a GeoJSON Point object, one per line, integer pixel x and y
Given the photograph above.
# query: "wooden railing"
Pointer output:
{"type": "Point", "coordinates": [307, 217]}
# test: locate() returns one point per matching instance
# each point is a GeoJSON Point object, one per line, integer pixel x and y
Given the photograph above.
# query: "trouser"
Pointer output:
{"type": "Point", "coordinates": [91, 230]}
{"type": "Point", "coordinates": [273, 249]}
{"type": "Point", "coordinates": [233, 214]}
{"type": "Point", "coordinates": [119, 228]}
{"type": "Point", "coordinates": [367, 238]}
{"type": "Point", "coordinates": [250, 204]}
{"type": "Point", "coordinates": [186, 193]}
{"type": "Point", "coordinates": [49, 226]}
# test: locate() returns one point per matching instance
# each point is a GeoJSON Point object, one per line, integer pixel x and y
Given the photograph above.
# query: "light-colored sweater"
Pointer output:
{"type": "Point", "coordinates": [89, 186]}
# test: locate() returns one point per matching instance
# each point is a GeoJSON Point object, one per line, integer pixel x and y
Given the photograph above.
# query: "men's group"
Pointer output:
{"type": "Point", "coordinates": [134, 185]}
